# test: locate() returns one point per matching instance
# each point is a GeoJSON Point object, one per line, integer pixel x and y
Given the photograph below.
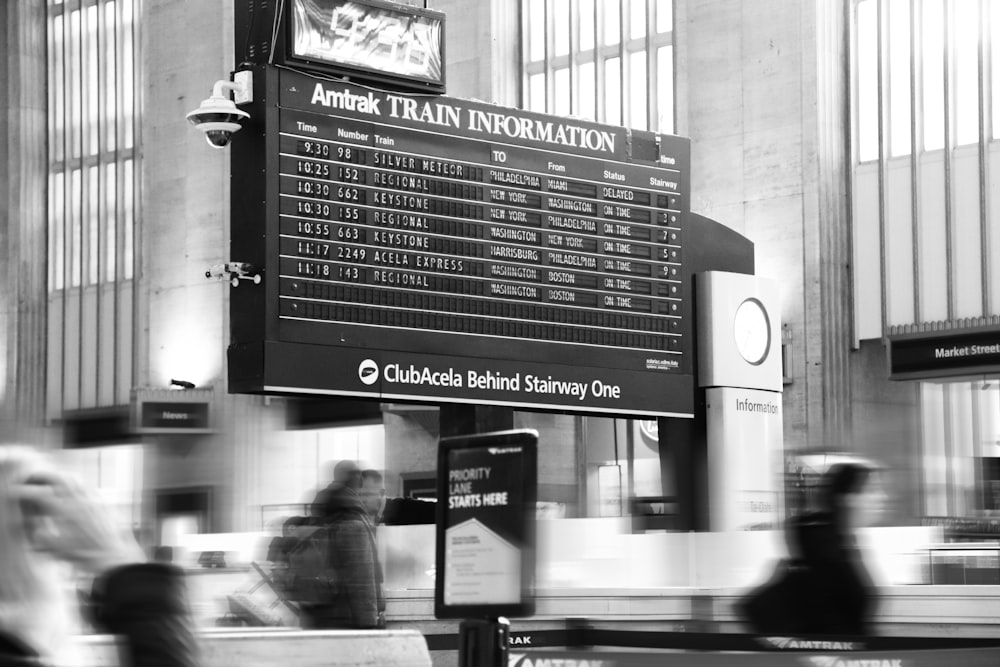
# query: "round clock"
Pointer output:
{"type": "Point", "coordinates": [752, 331]}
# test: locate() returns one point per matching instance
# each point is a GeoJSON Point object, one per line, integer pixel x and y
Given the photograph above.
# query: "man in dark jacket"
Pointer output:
{"type": "Point", "coordinates": [357, 599]}
{"type": "Point", "coordinates": [373, 494]}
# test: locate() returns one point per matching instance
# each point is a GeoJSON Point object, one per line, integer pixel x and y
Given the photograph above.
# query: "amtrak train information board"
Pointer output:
{"type": "Point", "coordinates": [444, 250]}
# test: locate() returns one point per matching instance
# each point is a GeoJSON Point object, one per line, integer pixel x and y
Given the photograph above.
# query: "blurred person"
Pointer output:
{"type": "Point", "coordinates": [279, 549]}
{"type": "Point", "coordinates": [824, 587]}
{"type": "Point", "coordinates": [350, 593]}
{"type": "Point", "coordinates": [49, 523]}
{"type": "Point", "coordinates": [346, 475]}
{"type": "Point", "coordinates": [278, 546]}
{"type": "Point", "coordinates": [373, 493]}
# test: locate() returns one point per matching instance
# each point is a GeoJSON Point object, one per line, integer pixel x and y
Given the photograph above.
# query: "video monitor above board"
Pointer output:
{"type": "Point", "coordinates": [394, 44]}
{"type": "Point", "coordinates": [432, 249]}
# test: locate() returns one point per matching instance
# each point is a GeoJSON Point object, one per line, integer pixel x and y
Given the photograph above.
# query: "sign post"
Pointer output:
{"type": "Point", "coordinates": [485, 538]}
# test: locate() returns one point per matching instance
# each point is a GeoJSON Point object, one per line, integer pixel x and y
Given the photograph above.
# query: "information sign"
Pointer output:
{"type": "Point", "coordinates": [485, 525]}
{"type": "Point", "coordinates": [419, 247]}
{"type": "Point", "coordinates": [945, 354]}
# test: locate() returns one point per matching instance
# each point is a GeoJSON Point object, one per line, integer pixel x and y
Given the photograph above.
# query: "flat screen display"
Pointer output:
{"type": "Point", "coordinates": [369, 37]}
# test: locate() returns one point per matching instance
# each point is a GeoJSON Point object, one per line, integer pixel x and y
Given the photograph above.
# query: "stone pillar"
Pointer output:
{"type": "Point", "coordinates": [186, 229]}
{"type": "Point", "coordinates": [185, 193]}
{"type": "Point", "coordinates": [23, 222]}
{"type": "Point", "coordinates": [828, 220]}
{"type": "Point", "coordinates": [769, 131]}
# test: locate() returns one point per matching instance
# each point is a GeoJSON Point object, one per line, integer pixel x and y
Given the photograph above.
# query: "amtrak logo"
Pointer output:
{"type": "Point", "coordinates": [833, 661]}
{"type": "Point", "coordinates": [790, 643]}
{"type": "Point", "coordinates": [368, 372]}
{"type": "Point", "coordinates": [553, 660]}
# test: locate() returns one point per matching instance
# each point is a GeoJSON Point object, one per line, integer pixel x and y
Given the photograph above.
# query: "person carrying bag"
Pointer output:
{"type": "Point", "coordinates": [823, 588]}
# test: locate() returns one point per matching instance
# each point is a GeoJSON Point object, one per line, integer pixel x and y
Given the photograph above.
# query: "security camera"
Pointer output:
{"type": "Point", "coordinates": [234, 272]}
{"type": "Point", "coordinates": [218, 116]}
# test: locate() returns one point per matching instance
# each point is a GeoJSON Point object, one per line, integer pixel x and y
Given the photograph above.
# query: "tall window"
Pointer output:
{"type": "Point", "coordinates": [93, 184]}
{"type": "Point", "coordinates": [947, 39]}
{"type": "Point", "coordinates": [91, 141]}
{"type": "Point", "coordinates": [960, 466]}
{"type": "Point", "coordinates": [926, 216]}
{"type": "Point", "coordinates": [609, 61]}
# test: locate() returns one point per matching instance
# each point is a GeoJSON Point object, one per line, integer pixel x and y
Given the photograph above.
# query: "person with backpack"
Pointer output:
{"type": "Point", "coordinates": [335, 574]}
{"type": "Point", "coordinates": [824, 587]}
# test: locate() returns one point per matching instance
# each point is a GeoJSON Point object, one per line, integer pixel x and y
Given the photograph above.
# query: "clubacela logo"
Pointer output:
{"type": "Point", "coordinates": [368, 372]}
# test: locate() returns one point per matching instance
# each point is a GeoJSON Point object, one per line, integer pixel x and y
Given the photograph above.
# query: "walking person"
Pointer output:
{"type": "Point", "coordinates": [351, 594]}
{"type": "Point", "coordinates": [49, 521]}
{"type": "Point", "coordinates": [824, 587]}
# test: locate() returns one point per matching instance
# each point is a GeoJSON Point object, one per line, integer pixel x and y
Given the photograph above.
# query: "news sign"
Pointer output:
{"type": "Point", "coordinates": [168, 412]}
{"type": "Point", "coordinates": [485, 525]}
{"type": "Point", "coordinates": [445, 250]}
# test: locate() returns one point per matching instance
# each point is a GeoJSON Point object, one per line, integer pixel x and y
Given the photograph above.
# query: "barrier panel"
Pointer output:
{"type": "Point", "coordinates": [577, 636]}
{"type": "Point", "coordinates": [982, 657]}
{"type": "Point", "coordinates": [579, 645]}
{"type": "Point", "coordinates": [266, 648]}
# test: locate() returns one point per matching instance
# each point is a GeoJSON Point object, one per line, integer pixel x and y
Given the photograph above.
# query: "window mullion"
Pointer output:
{"type": "Point", "coordinates": [574, 67]}
{"type": "Point", "coordinates": [550, 84]}
{"type": "Point", "coordinates": [624, 66]}
{"type": "Point", "coordinates": [652, 71]}
{"type": "Point", "coordinates": [985, 130]}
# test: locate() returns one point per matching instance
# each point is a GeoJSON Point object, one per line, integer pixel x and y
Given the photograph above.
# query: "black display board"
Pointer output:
{"type": "Point", "coordinates": [485, 557]}
{"type": "Point", "coordinates": [945, 354]}
{"type": "Point", "coordinates": [444, 250]}
{"type": "Point", "coordinates": [183, 416]}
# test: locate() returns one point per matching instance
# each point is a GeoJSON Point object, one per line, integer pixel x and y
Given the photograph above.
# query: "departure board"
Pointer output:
{"type": "Point", "coordinates": [439, 249]}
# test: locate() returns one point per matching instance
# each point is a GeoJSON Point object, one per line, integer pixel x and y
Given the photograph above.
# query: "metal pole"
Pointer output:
{"type": "Point", "coordinates": [483, 642]}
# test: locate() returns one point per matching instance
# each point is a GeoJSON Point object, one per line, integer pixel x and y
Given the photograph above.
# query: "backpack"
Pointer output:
{"type": "Point", "coordinates": [311, 575]}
